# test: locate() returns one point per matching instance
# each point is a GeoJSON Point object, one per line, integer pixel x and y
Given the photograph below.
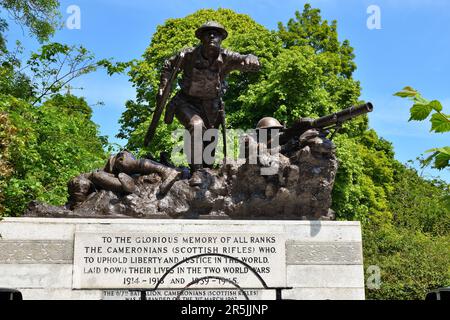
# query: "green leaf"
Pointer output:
{"type": "Point", "coordinates": [440, 123]}
{"type": "Point", "coordinates": [436, 105]}
{"type": "Point", "coordinates": [445, 150]}
{"type": "Point", "coordinates": [441, 157]}
{"type": "Point", "coordinates": [406, 92]}
{"type": "Point", "coordinates": [420, 111]}
{"type": "Point", "coordinates": [441, 160]}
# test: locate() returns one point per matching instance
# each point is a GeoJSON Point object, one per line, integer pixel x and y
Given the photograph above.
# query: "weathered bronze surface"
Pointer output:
{"type": "Point", "coordinates": [299, 186]}
{"type": "Point", "coordinates": [204, 68]}
{"type": "Point", "coordinates": [332, 121]}
{"type": "Point", "coordinates": [299, 172]}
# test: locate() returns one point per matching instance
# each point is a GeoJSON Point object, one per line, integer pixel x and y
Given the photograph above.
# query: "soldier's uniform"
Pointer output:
{"type": "Point", "coordinates": [202, 85]}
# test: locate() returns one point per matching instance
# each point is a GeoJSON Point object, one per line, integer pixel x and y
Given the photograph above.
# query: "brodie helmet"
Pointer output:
{"type": "Point", "coordinates": [211, 25]}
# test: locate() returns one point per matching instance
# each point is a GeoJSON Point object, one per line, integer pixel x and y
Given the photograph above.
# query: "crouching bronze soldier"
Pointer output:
{"type": "Point", "coordinates": [198, 104]}
{"type": "Point", "coordinates": [278, 138]}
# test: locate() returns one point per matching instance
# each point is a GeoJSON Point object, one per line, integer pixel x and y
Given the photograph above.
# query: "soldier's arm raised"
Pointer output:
{"type": "Point", "coordinates": [241, 62]}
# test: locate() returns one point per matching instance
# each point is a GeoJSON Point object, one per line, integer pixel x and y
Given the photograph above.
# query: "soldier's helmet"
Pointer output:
{"type": "Point", "coordinates": [116, 163]}
{"type": "Point", "coordinates": [269, 123]}
{"type": "Point", "coordinates": [211, 25]}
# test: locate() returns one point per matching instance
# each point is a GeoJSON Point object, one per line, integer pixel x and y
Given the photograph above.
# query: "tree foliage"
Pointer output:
{"type": "Point", "coordinates": [55, 65]}
{"type": "Point", "coordinates": [419, 204]}
{"type": "Point", "coordinates": [41, 17]}
{"type": "Point", "coordinates": [411, 263]}
{"type": "Point", "coordinates": [46, 138]}
{"type": "Point", "coordinates": [12, 80]}
{"type": "Point", "coordinates": [7, 136]}
{"type": "Point", "coordinates": [309, 30]}
{"type": "Point", "coordinates": [411, 249]}
{"type": "Point", "coordinates": [47, 146]}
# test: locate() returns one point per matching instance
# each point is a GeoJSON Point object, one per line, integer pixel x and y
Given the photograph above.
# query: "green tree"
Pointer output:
{"type": "Point", "coordinates": [309, 30]}
{"type": "Point", "coordinates": [7, 135]}
{"type": "Point", "coordinates": [56, 64]}
{"type": "Point", "coordinates": [12, 80]}
{"type": "Point", "coordinates": [41, 17]}
{"type": "Point", "coordinates": [51, 144]}
{"type": "Point", "coordinates": [53, 66]}
{"type": "Point", "coordinates": [411, 263]}
{"type": "Point", "coordinates": [44, 142]}
{"type": "Point", "coordinates": [364, 178]}
{"type": "Point", "coordinates": [419, 204]}
{"type": "Point", "coordinates": [313, 77]}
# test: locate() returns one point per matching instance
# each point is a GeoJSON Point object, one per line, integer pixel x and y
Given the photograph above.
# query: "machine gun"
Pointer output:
{"type": "Point", "coordinates": [332, 121]}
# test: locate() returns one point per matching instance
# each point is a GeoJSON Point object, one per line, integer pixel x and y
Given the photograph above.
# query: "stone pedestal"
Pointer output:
{"type": "Point", "coordinates": [48, 258]}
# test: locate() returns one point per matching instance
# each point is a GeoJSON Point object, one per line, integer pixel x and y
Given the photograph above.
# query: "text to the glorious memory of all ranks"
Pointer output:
{"type": "Point", "coordinates": [201, 260]}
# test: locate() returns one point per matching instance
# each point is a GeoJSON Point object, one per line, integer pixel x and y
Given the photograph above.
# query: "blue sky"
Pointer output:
{"type": "Point", "coordinates": [411, 48]}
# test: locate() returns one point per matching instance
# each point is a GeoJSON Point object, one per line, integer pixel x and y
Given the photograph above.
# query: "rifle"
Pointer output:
{"type": "Point", "coordinates": [332, 121]}
{"type": "Point", "coordinates": [161, 103]}
{"type": "Point", "coordinates": [224, 129]}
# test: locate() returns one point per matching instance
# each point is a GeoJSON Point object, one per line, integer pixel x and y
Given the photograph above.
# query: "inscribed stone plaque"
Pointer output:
{"type": "Point", "coordinates": [139, 260]}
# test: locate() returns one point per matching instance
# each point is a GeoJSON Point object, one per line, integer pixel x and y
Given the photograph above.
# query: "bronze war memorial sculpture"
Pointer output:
{"type": "Point", "coordinates": [198, 104]}
{"type": "Point", "coordinates": [282, 173]}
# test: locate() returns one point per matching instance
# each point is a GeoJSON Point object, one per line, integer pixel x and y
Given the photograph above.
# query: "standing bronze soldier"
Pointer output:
{"type": "Point", "coordinates": [198, 104]}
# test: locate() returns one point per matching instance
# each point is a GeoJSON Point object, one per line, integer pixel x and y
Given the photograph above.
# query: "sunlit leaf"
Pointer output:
{"type": "Point", "coordinates": [420, 112]}
{"type": "Point", "coordinates": [440, 123]}
{"type": "Point", "coordinates": [441, 160]}
{"type": "Point", "coordinates": [406, 92]}
{"type": "Point", "coordinates": [436, 105]}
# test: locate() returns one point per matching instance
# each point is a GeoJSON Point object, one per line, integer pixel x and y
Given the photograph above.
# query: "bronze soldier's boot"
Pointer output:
{"type": "Point", "coordinates": [169, 176]}
{"type": "Point", "coordinates": [195, 155]}
{"type": "Point", "coordinates": [196, 178]}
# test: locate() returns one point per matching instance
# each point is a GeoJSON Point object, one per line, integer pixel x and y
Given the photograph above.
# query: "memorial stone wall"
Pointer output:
{"type": "Point", "coordinates": [111, 259]}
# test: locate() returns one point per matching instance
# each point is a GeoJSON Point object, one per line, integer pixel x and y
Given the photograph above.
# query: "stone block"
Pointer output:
{"type": "Point", "coordinates": [328, 253]}
{"type": "Point", "coordinates": [42, 276]}
{"type": "Point", "coordinates": [36, 251]}
{"type": "Point", "coordinates": [325, 276]}
{"type": "Point", "coordinates": [324, 294]}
